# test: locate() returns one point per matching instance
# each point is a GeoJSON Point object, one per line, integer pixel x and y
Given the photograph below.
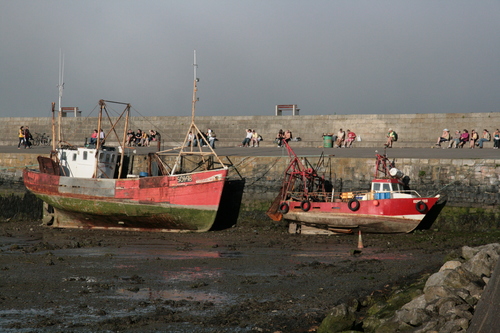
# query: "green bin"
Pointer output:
{"type": "Point", "coordinates": [327, 141]}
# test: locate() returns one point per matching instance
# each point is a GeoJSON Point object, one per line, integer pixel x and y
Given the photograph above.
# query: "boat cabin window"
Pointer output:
{"type": "Point", "coordinates": [101, 156]}
{"type": "Point", "coordinates": [85, 155]}
{"type": "Point", "coordinates": [63, 156]}
{"type": "Point", "coordinates": [113, 158]}
{"type": "Point", "coordinates": [74, 157]}
{"type": "Point", "coordinates": [107, 158]}
{"type": "Point", "coordinates": [381, 187]}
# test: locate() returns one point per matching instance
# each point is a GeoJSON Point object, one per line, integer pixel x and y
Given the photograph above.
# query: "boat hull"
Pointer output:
{"type": "Point", "coordinates": [187, 202]}
{"type": "Point", "coordinates": [372, 216]}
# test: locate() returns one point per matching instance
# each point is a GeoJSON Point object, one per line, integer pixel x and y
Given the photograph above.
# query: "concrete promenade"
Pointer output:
{"type": "Point", "coordinates": [427, 153]}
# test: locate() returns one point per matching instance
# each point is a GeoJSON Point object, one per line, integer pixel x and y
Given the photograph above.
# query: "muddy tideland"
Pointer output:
{"type": "Point", "coordinates": [253, 277]}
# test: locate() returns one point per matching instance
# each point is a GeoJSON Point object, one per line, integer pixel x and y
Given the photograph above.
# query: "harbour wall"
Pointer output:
{"type": "Point", "coordinates": [467, 182]}
{"type": "Point", "coordinates": [414, 130]}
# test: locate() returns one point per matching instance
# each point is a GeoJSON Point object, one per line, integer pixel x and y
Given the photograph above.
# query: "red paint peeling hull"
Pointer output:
{"type": "Point", "coordinates": [187, 202]}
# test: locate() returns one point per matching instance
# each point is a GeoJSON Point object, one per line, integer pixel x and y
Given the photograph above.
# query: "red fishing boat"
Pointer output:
{"type": "Point", "coordinates": [306, 199]}
{"type": "Point", "coordinates": [88, 187]}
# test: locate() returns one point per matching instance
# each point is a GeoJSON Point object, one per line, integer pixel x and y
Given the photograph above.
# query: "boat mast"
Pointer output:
{"type": "Point", "coordinates": [197, 134]}
{"type": "Point", "coordinates": [61, 88]}
{"type": "Point", "coordinates": [54, 143]}
{"type": "Point", "coordinates": [98, 144]}
{"type": "Point", "coordinates": [195, 89]}
{"type": "Point", "coordinates": [193, 129]}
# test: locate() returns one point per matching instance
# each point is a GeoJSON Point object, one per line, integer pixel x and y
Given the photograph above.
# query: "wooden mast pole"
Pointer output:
{"type": "Point", "coordinates": [122, 155]}
{"type": "Point", "coordinates": [54, 142]}
{"type": "Point", "coordinates": [98, 145]}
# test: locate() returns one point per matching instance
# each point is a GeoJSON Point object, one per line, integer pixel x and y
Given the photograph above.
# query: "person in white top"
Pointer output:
{"type": "Point", "coordinates": [340, 138]}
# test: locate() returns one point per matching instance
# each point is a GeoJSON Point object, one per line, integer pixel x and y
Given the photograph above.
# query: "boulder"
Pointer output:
{"type": "Point", "coordinates": [413, 317]}
{"type": "Point", "coordinates": [338, 320]}
{"type": "Point", "coordinates": [452, 264]}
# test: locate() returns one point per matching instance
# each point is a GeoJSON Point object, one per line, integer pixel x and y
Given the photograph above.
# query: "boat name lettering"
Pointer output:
{"type": "Point", "coordinates": [184, 179]}
{"type": "Point", "coordinates": [423, 200]}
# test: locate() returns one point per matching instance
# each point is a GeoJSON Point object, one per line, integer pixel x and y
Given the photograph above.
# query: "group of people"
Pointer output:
{"type": "Point", "coordinates": [464, 138]}
{"type": "Point", "coordinates": [209, 136]}
{"type": "Point", "coordinates": [282, 137]}
{"type": "Point", "coordinates": [93, 137]}
{"type": "Point", "coordinates": [141, 138]}
{"type": "Point", "coordinates": [343, 139]}
{"type": "Point", "coordinates": [252, 138]}
{"type": "Point", "coordinates": [25, 137]}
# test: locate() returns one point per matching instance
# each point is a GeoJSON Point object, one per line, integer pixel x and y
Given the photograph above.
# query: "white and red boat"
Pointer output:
{"type": "Point", "coordinates": [89, 187]}
{"type": "Point", "coordinates": [388, 207]}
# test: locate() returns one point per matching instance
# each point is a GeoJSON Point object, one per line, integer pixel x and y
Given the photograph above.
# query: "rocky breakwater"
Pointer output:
{"type": "Point", "coordinates": [446, 302]}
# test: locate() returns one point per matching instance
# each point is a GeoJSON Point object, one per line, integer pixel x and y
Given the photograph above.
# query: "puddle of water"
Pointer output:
{"type": "Point", "coordinates": [192, 273]}
{"type": "Point", "coordinates": [174, 295]}
{"type": "Point", "coordinates": [145, 251]}
{"type": "Point", "coordinates": [366, 254]}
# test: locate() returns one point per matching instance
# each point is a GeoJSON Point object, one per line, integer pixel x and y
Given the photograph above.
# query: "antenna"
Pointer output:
{"type": "Point", "coordinates": [61, 87]}
{"type": "Point", "coordinates": [195, 65]}
{"type": "Point", "coordinates": [195, 89]}
{"type": "Point", "coordinates": [61, 77]}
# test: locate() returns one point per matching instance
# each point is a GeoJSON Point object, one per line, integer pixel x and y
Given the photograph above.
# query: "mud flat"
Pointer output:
{"type": "Point", "coordinates": [252, 277]}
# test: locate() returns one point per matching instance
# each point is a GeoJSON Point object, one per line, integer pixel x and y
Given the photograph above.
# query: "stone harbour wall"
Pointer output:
{"type": "Point", "coordinates": [467, 182]}
{"type": "Point", "coordinates": [414, 130]}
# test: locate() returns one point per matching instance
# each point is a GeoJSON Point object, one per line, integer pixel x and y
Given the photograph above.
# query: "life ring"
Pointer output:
{"type": "Point", "coordinates": [421, 206]}
{"type": "Point", "coordinates": [353, 204]}
{"type": "Point", "coordinates": [284, 208]}
{"type": "Point", "coordinates": [305, 205]}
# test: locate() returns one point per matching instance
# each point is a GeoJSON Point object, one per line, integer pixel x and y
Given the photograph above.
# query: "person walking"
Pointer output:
{"type": "Point", "coordinates": [21, 137]}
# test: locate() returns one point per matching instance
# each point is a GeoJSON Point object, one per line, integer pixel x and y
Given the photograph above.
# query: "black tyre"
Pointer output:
{"type": "Point", "coordinates": [353, 204]}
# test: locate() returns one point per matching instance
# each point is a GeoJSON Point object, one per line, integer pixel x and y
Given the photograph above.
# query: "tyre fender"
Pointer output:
{"type": "Point", "coordinates": [305, 205]}
{"type": "Point", "coordinates": [284, 208]}
{"type": "Point", "coordinates": [421, 206]}
{"type": "Point", "coordinates": [353, 204]}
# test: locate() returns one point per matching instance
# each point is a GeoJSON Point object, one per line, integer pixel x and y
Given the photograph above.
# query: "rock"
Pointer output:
{"type": "Point", "coordinates": [452, 264]}
{"type": "Point", "coordinates": [446, 306]}
{"type": "Point", "coordinates": [427, 327]}
{"type": "Point", "coordinates": [413, 317]}
{"type": "Point", "coordinates": [338, 320]}
{"type": "Point", "coordinates": [417, 303]}
{"type": "Point", "coordinates": [469, 252]}
{"type": "Point", "coordinates": [458, 325]}
{"type": "Point", "coordinates": [436, 292]}
{"type": "Point", "coordinates": [481, 264]}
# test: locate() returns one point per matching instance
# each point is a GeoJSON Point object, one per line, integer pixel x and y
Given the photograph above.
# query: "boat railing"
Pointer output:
{"type": "Point", "coordinates": [349, 195]}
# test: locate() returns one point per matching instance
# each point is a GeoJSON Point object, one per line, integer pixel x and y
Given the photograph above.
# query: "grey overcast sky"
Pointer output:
{"type": "Point", "coordinates": [326, 56]}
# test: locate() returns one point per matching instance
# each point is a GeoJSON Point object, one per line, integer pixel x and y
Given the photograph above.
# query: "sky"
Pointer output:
{"type": "Point", "coordinates": [327, 56]}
